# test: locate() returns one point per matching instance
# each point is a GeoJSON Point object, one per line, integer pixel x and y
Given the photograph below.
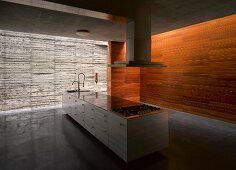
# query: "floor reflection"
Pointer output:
{"type": "Point", "coordinates": [94, 155]}
{"type": "Point", "coordinates": [51, 140]}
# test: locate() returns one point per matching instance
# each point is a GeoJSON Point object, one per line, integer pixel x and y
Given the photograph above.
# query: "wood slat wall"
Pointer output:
{"type": "Point", "coordinates": [116, 51]}
{"type": "Point", "coordinates": [201, 73]}
{"type": "Point", "coordinates": [123, 82]}
{"type": "Point", "coordinates": [37, 69]}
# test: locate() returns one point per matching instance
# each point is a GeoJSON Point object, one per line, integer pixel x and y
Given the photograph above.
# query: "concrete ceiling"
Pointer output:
{"type": "Point", "coordinates": [172, 14]}
{"type": "Point", "coordinates": [22, 18]}
{"type": "Point", "coordinates": [166, 15]}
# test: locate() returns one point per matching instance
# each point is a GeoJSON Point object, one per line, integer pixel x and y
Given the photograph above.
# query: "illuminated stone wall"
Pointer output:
{"type": "Point", "coordinates": [36, 69]}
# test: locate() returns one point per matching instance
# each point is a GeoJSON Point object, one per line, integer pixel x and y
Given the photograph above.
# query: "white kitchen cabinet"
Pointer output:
{"type": "Point", "coordinates": [129, 138]}
{"type": "Point", "coordinates": [101, 125]}
{"type": "Point", "coordinates": [118, 135]}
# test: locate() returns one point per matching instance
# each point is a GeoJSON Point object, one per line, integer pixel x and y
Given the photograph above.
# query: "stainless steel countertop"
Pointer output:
{"type": "Point", "coordinates": [109, 103]}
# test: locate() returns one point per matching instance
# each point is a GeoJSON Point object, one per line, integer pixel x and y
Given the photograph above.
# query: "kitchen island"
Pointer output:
{"type": "Point", "coordinates": [130, 129]}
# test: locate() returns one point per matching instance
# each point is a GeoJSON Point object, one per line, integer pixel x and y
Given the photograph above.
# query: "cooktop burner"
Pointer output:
{"type": "Point", "coordinates": [135, 110]}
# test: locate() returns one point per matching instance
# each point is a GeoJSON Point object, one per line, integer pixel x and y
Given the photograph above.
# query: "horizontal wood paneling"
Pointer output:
{"type": "Point", "coordinates": [200, 76]}
{"type": "Point", "coordinates": [201, 69]}
{"type": "Point", "coordinates": [123, 82]}
{"type": "Point", "coordinates": [116, 51]}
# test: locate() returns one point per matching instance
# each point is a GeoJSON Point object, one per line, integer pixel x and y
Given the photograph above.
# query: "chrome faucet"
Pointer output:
{"type": "Point", "coordinates": [78, 82]}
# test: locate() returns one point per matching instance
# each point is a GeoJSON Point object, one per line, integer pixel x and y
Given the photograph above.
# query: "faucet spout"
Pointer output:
{"type": "Point", "coordinates": [78, 82]}
{"type": "Point", "coordinates": [83, 76]}
{"type": "Point", "coordinates": [74, 82]}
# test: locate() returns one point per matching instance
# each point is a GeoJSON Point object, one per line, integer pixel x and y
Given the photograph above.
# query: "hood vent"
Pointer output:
{"type": "Point", "coordinates": [138, 41]}
{"type": "Point", "coordinates": [133, 64]}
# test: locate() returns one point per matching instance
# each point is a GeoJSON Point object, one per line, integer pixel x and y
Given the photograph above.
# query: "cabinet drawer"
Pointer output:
{"type": "Point", "coordinates": [118, 135]}
{"type": "Point", "coordinates": [81, 103]}
{"type": "Point", "coordinates": [102, 134]}
{"type": "Point", "coordinates": [118, 148]}
{"type": "Point", "coordinates": [117, 123]}
{"type": "Point", "coordinates": [100, 115]}
{"type": "Point", "coordinates": [101, 122]}
{"type": "Point", "coordinates": [100, 112]}
{"type": "Point", "coordinates": [89, 125]}
{"type": "Point", "coordinates": [89, 115]}
{"type": "Point", "coordinates": [89, 108]}
{"type": "Point", "coordinates": [79, 109]}
{"type": "Point", "coordinates": [89, 118]}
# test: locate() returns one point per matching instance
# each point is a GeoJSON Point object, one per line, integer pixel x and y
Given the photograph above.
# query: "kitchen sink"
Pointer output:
{"type": "Point", "coordinates": [73, 91]}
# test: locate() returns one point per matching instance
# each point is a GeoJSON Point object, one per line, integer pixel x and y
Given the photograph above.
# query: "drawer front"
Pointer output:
{"type": "Point", "coordinates": [101, 119]}
{"type": "Point", "coordinates": [101, 122]}
{"type": "Point", "coordinates": [80, 117]}
{"type": "Point", "coordinates": [108, 128]}
{"type": "Point", "coordinates": [89, 115]}
{"type": "Point", "coordinates": [78, 109]}
{"type": "Point", "coordinates": [119, 149]}
{"type": "Point", "coordinates": [117, 123]}
{"type": "Point", "coordinates": [77, 116]}
{"type": "Point", "coordinates": [89, 108]}
{"type": "Point", "coordinates": [118, 141]}
{"type": "Point", "coordinates": [89, 125]}
{"type": "Point", "coordinates": [100, 112]}
{"type": "Point", "coordinates": [102, 134]}
{"type": "Point", "coordinates": [118, 135]}
{"type": "Point", "coordinates": [81, 103]}
{"type": "Point", "coordinates": [89, 118]}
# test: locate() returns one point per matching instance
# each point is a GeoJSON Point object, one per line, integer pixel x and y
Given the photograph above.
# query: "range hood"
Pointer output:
{"type": "Point", "coordinates": [138, 41]}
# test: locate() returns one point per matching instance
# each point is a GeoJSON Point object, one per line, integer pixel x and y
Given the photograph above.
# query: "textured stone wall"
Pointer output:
{"type": "Point", "coordinates": [36, 69]}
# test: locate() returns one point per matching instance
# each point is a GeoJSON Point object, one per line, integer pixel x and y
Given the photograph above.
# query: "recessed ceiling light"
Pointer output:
{"type": "Point", "coordinates": [82, 33]}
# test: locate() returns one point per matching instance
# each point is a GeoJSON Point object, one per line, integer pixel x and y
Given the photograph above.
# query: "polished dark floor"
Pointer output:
{"type": "Point", "coordinates": [48, 140]}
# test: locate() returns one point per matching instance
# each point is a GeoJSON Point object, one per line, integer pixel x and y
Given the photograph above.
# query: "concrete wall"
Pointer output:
{"type": "Point", "coordinates": [36, 69]}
